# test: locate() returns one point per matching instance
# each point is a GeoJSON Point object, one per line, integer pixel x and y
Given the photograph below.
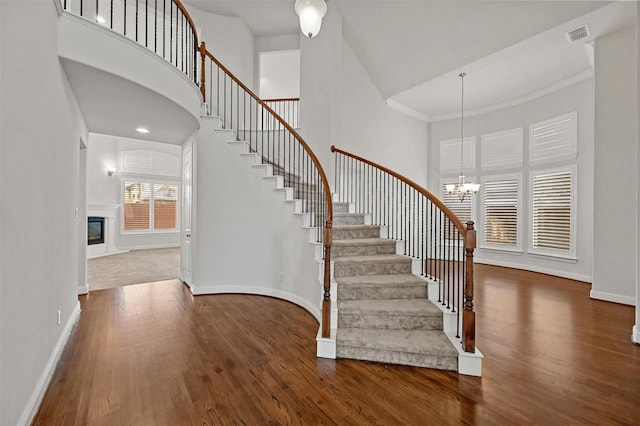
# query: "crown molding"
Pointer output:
{"type": "Point", "coordinates": [584, 75]}
{"type": "Point", "coordinates": [406, 110]}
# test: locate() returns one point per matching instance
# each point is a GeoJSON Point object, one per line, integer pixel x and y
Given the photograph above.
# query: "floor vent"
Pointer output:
{"type": "Point", "coordinates": [578, 34]}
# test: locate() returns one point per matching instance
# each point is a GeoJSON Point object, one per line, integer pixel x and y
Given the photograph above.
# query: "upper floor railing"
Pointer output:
{"type": "Point", "coordinates": [277, 143]}
{"type": "Point", "coordinates": [430, 232]}
{"type": "Point", "coordinates": [162, 26]}
{"type": "Point", "coordinates": [287, 108]}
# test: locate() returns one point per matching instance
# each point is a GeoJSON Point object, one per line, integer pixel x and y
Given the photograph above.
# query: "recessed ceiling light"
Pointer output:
{"type": "Point", "coordinates": [142, 130]}
{"type": "Point", "coordinates": [101, 20]}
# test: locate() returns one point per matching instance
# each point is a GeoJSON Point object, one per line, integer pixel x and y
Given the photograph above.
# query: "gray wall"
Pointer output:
{"type": "Point", "coordinates": [39, 172]}
{"type": "Point", "coordinates": [340, 105]}
{"type": "Point", "coordinates": [578, 97]}
{"type": "Point", "coordinates": [615, 188]}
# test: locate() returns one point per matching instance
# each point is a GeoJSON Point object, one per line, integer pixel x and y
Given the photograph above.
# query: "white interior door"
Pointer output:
{"type": "Point", "coordinates": [187, 185]}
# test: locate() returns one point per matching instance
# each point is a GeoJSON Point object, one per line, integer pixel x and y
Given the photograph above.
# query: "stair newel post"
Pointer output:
{"type": "Point", "coordinates": [468, 315]}
{"type": "Point", "coordinates": [326, 298]}
{"type": "Point", "coordinates": [203, 54]}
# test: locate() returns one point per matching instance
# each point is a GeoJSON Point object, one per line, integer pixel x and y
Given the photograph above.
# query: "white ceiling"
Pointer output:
{"type": "Point", "coordinates": [414, 50]}
{"type": "Point", "coordinates": [116, 106]}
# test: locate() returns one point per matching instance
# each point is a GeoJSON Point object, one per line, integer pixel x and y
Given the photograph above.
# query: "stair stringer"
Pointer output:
{"type": "Point", "coordinates": [247, 239]}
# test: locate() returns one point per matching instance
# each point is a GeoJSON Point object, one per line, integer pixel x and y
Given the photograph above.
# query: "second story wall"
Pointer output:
{"type": "Point", "coordinates": [229, 40]}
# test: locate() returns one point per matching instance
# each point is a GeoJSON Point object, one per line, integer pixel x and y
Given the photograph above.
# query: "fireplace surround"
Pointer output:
{"type": "Point", "coordinates": [95, 230]}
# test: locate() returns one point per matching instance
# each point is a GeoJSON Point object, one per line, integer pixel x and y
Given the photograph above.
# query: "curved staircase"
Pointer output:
{"type": "Point", "coordinates": [384, 313]}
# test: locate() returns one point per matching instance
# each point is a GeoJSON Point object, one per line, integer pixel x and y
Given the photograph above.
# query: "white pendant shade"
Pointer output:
{"type": "Point", "coordinates": [311, 13]}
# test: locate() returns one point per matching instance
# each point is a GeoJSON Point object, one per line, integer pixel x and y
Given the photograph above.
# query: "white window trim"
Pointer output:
{"type": "Point", "coordinates": [554, 253]}
{"type": "Point", "coordinates": [572, 156]}
{"type": "Point", "coordinates": [520, 206]}
{"type": "Point", "coordinates": [469, 158]}
{"type": "Point", "coordinates": [152, 180]}
{"type": "Point", "coordinates": [516, 133]}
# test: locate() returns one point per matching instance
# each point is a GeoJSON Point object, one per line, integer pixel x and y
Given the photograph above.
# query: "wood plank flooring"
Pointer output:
{"type": "Point", "coordinates": [152, 354]}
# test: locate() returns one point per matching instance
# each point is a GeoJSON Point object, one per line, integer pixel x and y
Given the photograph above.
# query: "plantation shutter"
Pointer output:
{"type": "Point", "coordinates": [165, 201]}
{"type": "Point", "coordinates": [137, 205]}
{"type": "Point", "coordinates": [554, 139]}
{"type": "Point", "coordinates": [501, 211]}
{"type": "Point", "coordinates": [552, 210]}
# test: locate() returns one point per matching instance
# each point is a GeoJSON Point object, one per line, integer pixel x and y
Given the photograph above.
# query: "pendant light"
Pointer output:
{"type": "Point", "coordinates": [462, 188]}
{"type": "Point", "coordinates": [311, 13]}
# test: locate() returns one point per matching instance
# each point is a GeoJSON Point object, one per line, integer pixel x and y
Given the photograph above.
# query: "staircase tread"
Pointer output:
{"type": "Point", "coordinates": [355, 226]}
{"type": "Point", "coordinates": [372, 258]}
{"type": "Point", "coordinates": [364, 241]}
{"type": "Point", "coordinates": [381, 280]}
{"type": "Point", "coordinates": [426, 342]}
{"type": "Point", "coordinates": [399, 307]}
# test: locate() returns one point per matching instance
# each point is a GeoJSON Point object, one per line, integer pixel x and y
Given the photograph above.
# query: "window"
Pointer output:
{"type": "Point", "coordinates": [554, 139]}
{"type": "Point", "coordinates": [462, 209]}
{"type": "Point", "coordinates": [450, 154]}
{"type": "Point", "coordinates": [142, 161]}
{"type": "Point", "coordinates": [149, 206]}
{"type": "Point", "coordinates": [501, 212]}
{"type": "Point", "coordinates": [149, 190]}
{"type": "Point", "coordinates": [553, 220]}
{"type": "Point", "coordinates": [502, 149]}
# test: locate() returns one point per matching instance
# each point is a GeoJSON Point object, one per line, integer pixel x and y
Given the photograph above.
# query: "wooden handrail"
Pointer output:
{"type": "Point", "coordinates": [191, 23]}
{"type": "Point", "coordinates": [328, 228]}
{"type": "Point", "coordinates": [457, 222]}
{"type": "Point", "coordinates": [282, 100]}
{"type": "Point", "coordinates": [316, 162]}
{"type": "Point", "coordinates": [468, 234]}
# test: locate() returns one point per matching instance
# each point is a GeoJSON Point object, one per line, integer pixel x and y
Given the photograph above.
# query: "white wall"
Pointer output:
{"type": "Point", "coordinates": [102, 153]}
{"type": "Point", "coordinates": [272, 44]}
{"type": "Point", "coordinates": [320, 85]}
{"type": "Point", "coordinates": [636, 328]}
{"type": "Point", "coordinates": [578, 97]}
{"type": "Point", "coordinates": [340, 105]}
{"type": "Point", "coordinates": [372, 130]}
{"type": "Point", "coordinates": [38, 187]}
{"type": "Point", "coordinates": [247, 239]}
{"type": "Point", "coordinates": [279, 74]}
{"type": "Point", "coordinates": [616, 145]}
{"type": "Point", "coordinates": [230, 41]}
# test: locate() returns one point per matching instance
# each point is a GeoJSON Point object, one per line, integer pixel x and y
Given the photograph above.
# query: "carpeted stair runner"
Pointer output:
{"type": "Point", "coordinates": [384, 313]}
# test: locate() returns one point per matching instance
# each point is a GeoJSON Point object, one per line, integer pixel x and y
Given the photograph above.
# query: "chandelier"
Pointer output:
{"type": "Point", "coordinates": [311, 13]}
{"type": "Point", "coordinates": [462, 188]}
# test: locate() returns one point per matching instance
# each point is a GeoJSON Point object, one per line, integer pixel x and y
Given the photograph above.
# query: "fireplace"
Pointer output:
{"type": "Point", "coordinates": [95, 230]}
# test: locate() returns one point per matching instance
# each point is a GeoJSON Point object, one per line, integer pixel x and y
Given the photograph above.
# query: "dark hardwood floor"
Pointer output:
{"type": "Point", "coordinates": [155, 355]}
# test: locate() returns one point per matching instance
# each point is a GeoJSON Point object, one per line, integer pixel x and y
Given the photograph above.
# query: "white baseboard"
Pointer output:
{"type": "Point", "coordinates": [105, 254]}
{"type": "Point", "coordinates": [612, 297]}
{"type": "Point", "coordinates": [83, 290]}
{"type": "Point", "coordinates": [33, 405]}
{"type": "Point", "coordinates": [635, 334]}
{"type": "Point", "coordinates": [261, 291]}
{"type": "Point", "coordinates": [532, 268]}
